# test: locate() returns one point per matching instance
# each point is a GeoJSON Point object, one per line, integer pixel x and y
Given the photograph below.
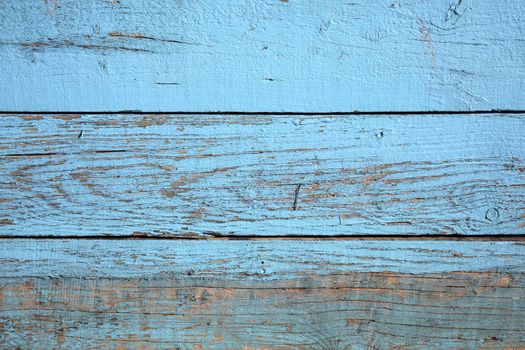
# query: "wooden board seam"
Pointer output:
{"type": "Point", "coordinates": [216, 236]}
{"type": "Point", "coordinates": [293, 113]}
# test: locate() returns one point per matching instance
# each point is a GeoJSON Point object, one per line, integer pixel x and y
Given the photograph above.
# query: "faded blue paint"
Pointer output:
{"type": "Point", "coordinates": [202, 175]}
{"type": "Point", "coordinates": [261, 56]}
{"type": "Point", "coordinates": [185, 174]}
{"type": "Point", "coordinates": [258, 260]}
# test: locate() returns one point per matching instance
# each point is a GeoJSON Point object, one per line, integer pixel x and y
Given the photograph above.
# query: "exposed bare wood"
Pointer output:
{"type": "Point", "coordinates": [261, 295]}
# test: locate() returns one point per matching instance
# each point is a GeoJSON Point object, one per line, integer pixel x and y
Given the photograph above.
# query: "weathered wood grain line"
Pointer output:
{"type": "Point", "coordinates": [261, 295]}
{"type": "Point", "coordinates": [271, 55]}
{"type": "Point", "coordinates": [209, 175]}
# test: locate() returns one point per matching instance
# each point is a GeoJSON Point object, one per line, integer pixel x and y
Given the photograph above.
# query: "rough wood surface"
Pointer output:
{"type": "Point", "coordinates": [261, 295]}
{"type": "Point", "coordinates": [209, 175]}
{"type": "Point", "coordinates": [267, 260]}
{"type": "Point", "coordinates": [270, 55]}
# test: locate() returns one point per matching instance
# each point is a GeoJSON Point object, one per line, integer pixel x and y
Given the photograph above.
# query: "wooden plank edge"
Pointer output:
{"type": "Point", "coordinates": [276, 113]}
{"type": "Point", "coordinates": [206, 236]}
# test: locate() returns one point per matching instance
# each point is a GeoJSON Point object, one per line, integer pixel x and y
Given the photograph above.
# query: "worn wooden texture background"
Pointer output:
{"type": "Point", "coordinates": [342, 175]}
{"type": "Point", "coordinates": [267, 55]}
{"type": "Point", "coordinates": [262, 295]}
{"type": "Point", "coordinates": [188, 175]}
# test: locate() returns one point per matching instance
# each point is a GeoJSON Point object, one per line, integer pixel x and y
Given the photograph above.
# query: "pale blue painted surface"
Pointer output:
{"type": "Point", "coordinates": [255, 260]}
{"type": "Point", "coordinates": [296, 56]}
{"type": "Point", "coordinates": [192, 175]}
{"type": "Point", "coordinates": [200, 175]}
{"type": "Point", "coordinates": [261, 295]}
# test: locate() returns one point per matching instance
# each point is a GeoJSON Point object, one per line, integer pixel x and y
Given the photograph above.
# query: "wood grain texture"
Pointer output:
{"type": "Point", "coordinates": [85, 294]}
{"type": "Point", "coordinates": [271, 55]}
{"type": "Point", "coordinates": [209, 175]}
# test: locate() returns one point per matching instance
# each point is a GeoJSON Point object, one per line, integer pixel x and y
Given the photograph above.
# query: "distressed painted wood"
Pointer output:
{"type": "Point", "coordinates": [209, 175]}
{"type": "Point", "coordinates": [106, 294]}
{"type": "Point", "coordinates": [267, 260]}
{"type": "Point", "coordinates": [269, 55]}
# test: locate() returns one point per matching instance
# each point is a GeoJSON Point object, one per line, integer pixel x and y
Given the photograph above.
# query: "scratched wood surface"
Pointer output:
{"type": "Point", "coordinates": [359, 230]}
{"type": "Point", "coordinates": [100, 294]}
{"type": "Point", "coordinates": [271, 55]}
{"type": "Point", "coordinates": [209, 175]}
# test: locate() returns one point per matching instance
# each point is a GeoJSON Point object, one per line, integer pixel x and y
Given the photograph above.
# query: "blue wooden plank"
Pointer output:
{"type": "Point", "coordinates": [363, 295]}
{"type": "Point", "coordinates": [186, 175]}
{"type": "Point", "coordinates": [261, 56]}
{"type": "Point", "coordinates": [253, 260]}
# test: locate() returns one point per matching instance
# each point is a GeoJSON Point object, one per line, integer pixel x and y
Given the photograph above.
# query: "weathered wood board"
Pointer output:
{"type": "Point", "coordinates": [209, 175]}
{"type": "Point", "coordinates": [271, 55]}
{"type": "Point", "coordinates": [128, 294]}
{"type": "Point", "coordinates": [352, 176]}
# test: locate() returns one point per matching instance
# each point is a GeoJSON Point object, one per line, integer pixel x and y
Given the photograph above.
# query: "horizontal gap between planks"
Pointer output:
{"type": "Point", "coordinates": [216, 236]}
{"type": "Point", "coordinates": [492, 111]}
